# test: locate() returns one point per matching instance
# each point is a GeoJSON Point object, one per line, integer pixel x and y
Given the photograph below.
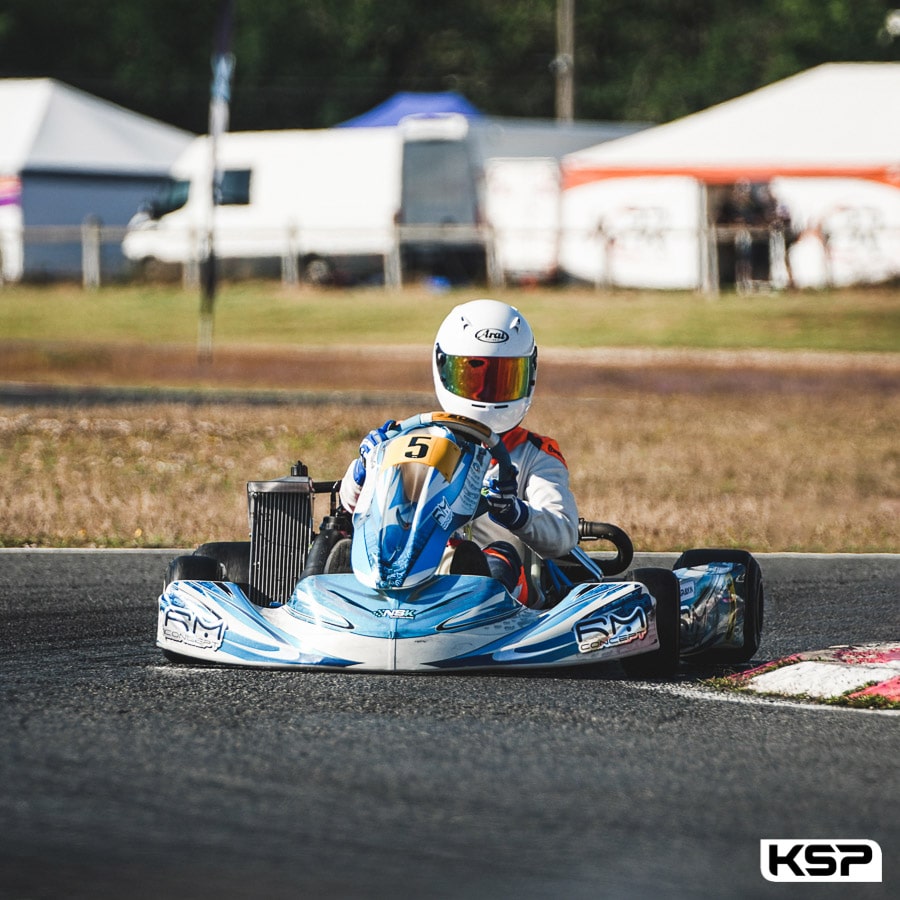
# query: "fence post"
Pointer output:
{"type": "Point", "coordinates": [290, 271]}
{"type": "Point", "coordinates": [90, 253]}
{"type": "Point", "coordinates": [495, 274]}
{"type": "Point", "coordinates": [190, 270]}
{"type": "Point", "coordinates": [604, 279]}
{"type": "Point", "coordinates": [393, 265]}
{"type": "Point", "coordinates": [707, 245]}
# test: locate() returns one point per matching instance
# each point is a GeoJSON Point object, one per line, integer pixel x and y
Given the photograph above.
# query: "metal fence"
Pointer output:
{"type": "Point", "coordinates": [89, 244]}
{"type": "Point", "coordinates": [100, 258]}
{"type": "Point", "coordinates": [747, 259]}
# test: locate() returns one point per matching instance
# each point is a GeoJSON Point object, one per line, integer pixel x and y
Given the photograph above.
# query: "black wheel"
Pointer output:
{"type": "Point", "coordinates": [662, 662]}
{"type": "Point", "coordinates": [321, 557]}
{"type": "Point", "coordinates": [339, 558]}
{"type": "Point", "coordinates": [233, 558]}
{"type": "Point", "coordinates": [191, 568]}
{"type": "Point", "coordinates": [753, 593]}
{"type": "Point", "coordinates": [317, 270]}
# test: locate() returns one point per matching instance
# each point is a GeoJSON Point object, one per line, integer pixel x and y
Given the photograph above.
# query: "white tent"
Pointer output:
{"type": "Point", "coordinates": [49, 125]}
{"type": "Point", "coordinates": [67, 156]}
{"type": "Point", "coordinates": [826, 143]}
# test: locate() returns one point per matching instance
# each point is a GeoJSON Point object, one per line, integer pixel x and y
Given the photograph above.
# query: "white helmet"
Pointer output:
{"type": "Point", "coordinates": [485, 364]}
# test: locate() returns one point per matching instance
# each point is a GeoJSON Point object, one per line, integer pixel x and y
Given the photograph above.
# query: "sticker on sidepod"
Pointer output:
{"type": "Point", "coordinates": [196, 625]}
{"type": "Point", "coordinates": [607, 629]}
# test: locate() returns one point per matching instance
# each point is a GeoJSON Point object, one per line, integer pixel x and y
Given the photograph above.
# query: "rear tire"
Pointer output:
{"type": "Point", "coordinates": [754, 603]}
{"type": "Point", "coordinates": [664, 661]}
{"type": "Point", "coordinates": [233, 558]}
{"type": "Point", "coordinates": [338, 561]}
{"type": "Point", "coordinates": [191, 568]}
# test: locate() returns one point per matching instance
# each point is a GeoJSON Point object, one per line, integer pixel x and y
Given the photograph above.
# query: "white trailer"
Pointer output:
{"type": "Point", "coordinates": [484, 194]}
{"type": "Point", "coordinates": [522, 207]}
{"type": "Point", "coordinates": [324, 200]}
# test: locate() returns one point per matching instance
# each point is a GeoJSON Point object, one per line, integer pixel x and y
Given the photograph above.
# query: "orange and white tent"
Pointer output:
{"type": "Point", "coordinates": [826, 142]}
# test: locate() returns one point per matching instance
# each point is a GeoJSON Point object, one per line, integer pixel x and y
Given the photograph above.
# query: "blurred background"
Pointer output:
{"type": "Point", "coordinates": [313, 64]}
{"type": "Point", "coordinates": [621, 162]}
{"type": "Point", "coordinates": [104, 106]}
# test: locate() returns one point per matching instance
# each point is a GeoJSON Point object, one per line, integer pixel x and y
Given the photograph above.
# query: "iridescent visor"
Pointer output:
{"type": "Point", "coordinates": [490, 379]}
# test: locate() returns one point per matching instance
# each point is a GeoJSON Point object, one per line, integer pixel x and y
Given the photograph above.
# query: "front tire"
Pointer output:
{"type": "Point", "coordinates": [664, 661]}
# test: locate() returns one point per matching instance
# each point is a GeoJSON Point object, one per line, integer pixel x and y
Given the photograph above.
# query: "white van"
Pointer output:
{"type": "Point", "coordinates": [323, 199]}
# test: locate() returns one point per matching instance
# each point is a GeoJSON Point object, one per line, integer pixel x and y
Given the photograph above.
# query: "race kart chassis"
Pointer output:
{"type": "Point", "coordinates": [287, 598]}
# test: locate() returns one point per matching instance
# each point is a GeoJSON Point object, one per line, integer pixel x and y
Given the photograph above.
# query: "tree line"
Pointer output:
{"type": "Point", "coordinates": [315, 63]}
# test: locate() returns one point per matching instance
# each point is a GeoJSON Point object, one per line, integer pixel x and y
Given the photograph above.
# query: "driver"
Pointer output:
{"type": "Point", "coordinates": [485, 366]}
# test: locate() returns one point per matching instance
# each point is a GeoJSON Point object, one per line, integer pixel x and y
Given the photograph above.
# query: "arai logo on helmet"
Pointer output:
{"type": "Point", "coordinates": [492, 335]}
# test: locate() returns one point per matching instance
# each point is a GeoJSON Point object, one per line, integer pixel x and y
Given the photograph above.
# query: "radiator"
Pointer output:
{"type": "Point", "coordinates": [281, 529]}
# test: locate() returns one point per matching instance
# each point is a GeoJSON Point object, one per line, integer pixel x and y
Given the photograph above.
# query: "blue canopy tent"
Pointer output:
{"type": "Point", "coordinates": [410, 103]}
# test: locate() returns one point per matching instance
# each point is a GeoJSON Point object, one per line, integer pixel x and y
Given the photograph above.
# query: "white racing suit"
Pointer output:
{"type": "Point", "coordinates": [551, 529]}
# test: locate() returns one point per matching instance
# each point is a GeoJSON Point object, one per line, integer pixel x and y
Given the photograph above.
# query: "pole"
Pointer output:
{"type": "Point", "coordinates": [220, 95]}
{"type": "Point", "coordinates": [564, 63]}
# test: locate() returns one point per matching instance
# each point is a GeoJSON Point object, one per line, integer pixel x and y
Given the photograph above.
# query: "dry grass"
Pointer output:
{"type": "Point", "coordinates": [767, 469]}
{"type": "Point", "coordinates": [788, 444]}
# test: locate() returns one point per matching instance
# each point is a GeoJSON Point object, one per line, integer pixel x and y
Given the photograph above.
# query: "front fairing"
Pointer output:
{"type": "Point", "coordinates": [420, 488]}
{"type": "Point", "coordinates": [468, 621]}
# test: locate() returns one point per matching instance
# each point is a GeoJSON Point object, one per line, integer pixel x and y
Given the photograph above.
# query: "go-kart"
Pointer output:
{"type": "Point", "coordinates": [381, 592]}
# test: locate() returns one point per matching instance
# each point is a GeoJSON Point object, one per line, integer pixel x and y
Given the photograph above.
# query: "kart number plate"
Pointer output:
{"type": "Point", "coordinates": [430, 450]}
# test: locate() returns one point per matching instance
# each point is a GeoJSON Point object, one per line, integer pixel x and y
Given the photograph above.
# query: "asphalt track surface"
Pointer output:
{"type": "Point", "coordinates": [122, 775]}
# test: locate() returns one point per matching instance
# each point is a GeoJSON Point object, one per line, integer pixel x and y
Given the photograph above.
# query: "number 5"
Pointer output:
{"type": "Point", "coordinates": [417, 447]}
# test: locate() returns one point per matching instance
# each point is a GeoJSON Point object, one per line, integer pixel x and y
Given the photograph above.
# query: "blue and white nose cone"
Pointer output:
{"type": "Point", "coordinates": [421, 486]}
